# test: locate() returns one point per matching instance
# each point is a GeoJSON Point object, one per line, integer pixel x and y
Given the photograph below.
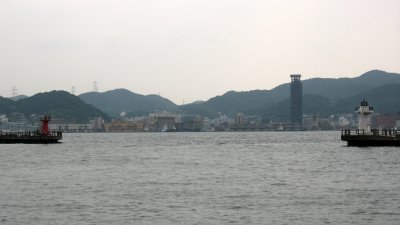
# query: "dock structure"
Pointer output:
{"type": "Point", "coordinates": [365, 136]}
{"type": "Point", "coordinates": [42, 136]}
{"type": "Point", "coordinates": [376, 137]}
{"type": "Point", "coordinates": [29, 137]}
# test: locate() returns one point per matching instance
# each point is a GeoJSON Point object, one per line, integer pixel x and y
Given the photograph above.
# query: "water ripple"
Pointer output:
{"type": "Point", "coordinates": [199, 178]}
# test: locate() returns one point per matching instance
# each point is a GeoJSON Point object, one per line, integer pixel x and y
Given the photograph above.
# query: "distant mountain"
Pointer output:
{"type": "Point", "coordinates": [384, 99]}
{"type": "Point", "coordinates": [18, 97]}
{"type": "Point", "coordinates": [322, 96]}
{"type": "Point", "coordinates": [329, 91]}
{"type": "Point", "coordinates": [280, 111]}
{"type": "Point", "coordinates": [7, 106]}
{"type": "Point", "coordinates": [121, 100]}
{"type": "Point", "coordinates": [229, 103]}
{"type": "Point", "coordinates": [335, 89]}
{"type": "Point", "coordinates": [58, 104]}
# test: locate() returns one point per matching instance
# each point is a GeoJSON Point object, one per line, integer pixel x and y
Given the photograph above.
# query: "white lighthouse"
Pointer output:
{"type": "Point", "coordinates": [364, 116]}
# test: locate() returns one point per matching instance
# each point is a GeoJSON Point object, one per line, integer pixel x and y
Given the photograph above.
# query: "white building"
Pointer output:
{"type": "Point", "coordinates": [343, 121]}
{"type": "Point", "coordinates": [3, 119]}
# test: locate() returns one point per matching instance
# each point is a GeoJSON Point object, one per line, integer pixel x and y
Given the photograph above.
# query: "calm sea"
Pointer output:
{"type": "Point", "coordinates": [199, 178]}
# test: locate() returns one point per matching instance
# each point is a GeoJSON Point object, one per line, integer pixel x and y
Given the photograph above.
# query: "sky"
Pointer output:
{"type": "Point", "coordinates": [189, 50]}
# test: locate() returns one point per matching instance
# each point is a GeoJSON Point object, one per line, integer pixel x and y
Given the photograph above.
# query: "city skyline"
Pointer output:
{"type": "Point", "coordinates": [191, 50]}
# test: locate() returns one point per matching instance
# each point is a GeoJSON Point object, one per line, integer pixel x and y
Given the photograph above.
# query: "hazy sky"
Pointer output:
{"type": "Point", "coordinates": [191, 49]}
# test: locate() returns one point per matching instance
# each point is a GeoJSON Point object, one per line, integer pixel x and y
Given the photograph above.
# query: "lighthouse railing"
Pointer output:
{"type": "Point", "coordinates": [30, 134]}
{"type": "Point", "coordinates": [373, 132]}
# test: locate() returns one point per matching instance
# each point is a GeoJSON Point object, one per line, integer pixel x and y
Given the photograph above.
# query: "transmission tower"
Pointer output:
{"type": "Point", "coordinates": [95, 88]}
{"type": "Point", "coordinates": [14, 91]}
{"type": "Point", "coordinates": [73, 90]}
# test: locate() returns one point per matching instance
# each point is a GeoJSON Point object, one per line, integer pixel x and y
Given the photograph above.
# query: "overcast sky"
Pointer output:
{"type": "Point", "coordinates": [191, 49]}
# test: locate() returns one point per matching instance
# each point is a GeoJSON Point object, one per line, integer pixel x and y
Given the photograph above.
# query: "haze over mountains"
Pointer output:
{"type": "Point", "coordinates": [323, 96]}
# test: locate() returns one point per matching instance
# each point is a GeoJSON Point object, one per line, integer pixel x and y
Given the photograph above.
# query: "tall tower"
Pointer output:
{"type": "Point", "coordinates": [296, 102]}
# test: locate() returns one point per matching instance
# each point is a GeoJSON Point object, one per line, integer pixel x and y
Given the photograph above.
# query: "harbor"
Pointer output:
{"type": "Point", "coordinates": [365, 136]}
{"type": "Point", "coordinates": [42, 136]}
{"type": "Point", "coordinates": [30, 137]}
{"type": "Point", "coordinates": [374, 138]}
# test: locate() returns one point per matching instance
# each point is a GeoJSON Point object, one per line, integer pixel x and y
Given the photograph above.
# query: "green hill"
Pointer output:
{"type": "Point", "coordinates": [329, 91]}
{"type": "Point", "coordinates": [19, 97]}
{"type": "Point", "coordinates": [7, 106]}
{"type": "Point", "coordinates": [121, 100]}
{"type": "Point", "coordinates": [384, 99]}
{"type": "Point", "coordinates": [323, 96]}
{"type": "Point", "coordinates": [58, 104]}
{"type": "Point", "coordinates": [280, 111]}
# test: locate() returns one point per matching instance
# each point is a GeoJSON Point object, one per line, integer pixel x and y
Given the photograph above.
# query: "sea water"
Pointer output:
{"type": "Point", "coordinates": [199, 178]}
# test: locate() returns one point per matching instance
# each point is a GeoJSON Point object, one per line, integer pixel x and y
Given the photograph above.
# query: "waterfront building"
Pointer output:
{"type": "Point", "coordinates": [124, 126]}
{"type": "Point", "coordinates": [343, 122]}
{"type": "Point", "coordinates": [98, 124]}
{"type": "Point", "coordinates": [190, 123]}
{"type": "Point", "coordinates": [72, 127]}
{"type": "Point", "coordinates": [3, 119]}
{"type": "Point", "coordinates": [16, 126]}
{"type": "Point", "coordinates": [240, 119]}
{"type": "Point", "coordinates": [161, 121]}
{"type": "Point", "coordinates": [387, 121]}
{"type": "Point", "coordinates": [296, 102]}
{"type": "Point", "coordinates": [309, 122]}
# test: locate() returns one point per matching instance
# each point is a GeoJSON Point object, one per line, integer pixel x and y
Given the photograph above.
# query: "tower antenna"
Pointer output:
{"type": "Point", "coordinates": [95, 88]}
{"type": "Point", "coordinates": [14, 91]}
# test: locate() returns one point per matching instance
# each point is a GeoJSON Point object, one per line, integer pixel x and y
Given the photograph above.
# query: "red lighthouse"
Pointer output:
{"type": "Point", "coordinates": [44, 129]}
